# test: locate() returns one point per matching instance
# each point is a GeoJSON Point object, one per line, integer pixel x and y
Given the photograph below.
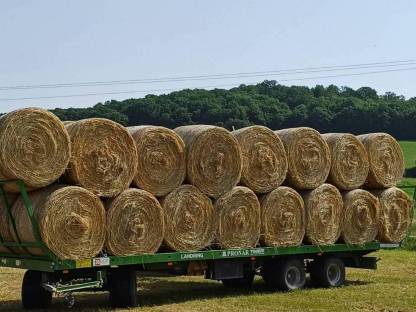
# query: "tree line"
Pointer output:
{"type": "Point", "coordinates": [327, 109]}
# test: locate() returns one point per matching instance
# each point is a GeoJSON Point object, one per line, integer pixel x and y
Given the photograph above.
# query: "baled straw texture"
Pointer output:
{"type": "Point", "coordinates": [360, 217]}
{"type": "Point", "coordinates": [349, 161]}
{"type": "Point", "coordinates": [161, 159]}
{"type": "Point", "coordinates": [104, 156]}
{"type": "Point", "coordinates": [34, 147]}
{"type": "Point", "coordinates": [134, 224]}
{"type": "Point", "coordinates": [386, 160]}
{"type": "Point", "coordinates": [71, 221]}
{"type": "Point", "coordinates": [213, 158]}
{"type": "Point", "coordinates": [282, 218]}
{"type": "Point", "coordinates": [395, 215]}
{"type": "Point", "coordinates": [264, 162]}
{"type": "Point", "coordinates": [189, 219]}
{"type": "Point", "coordinates": [237, 218]}
{"type": "Point", "coordinates": [5, 228]}
{"type": "Point", "coordinates": [308, 157]}
{"type": "Point", "coordinates": [68, 122]}
{"type": "Point", "coordinates": [323, 207]}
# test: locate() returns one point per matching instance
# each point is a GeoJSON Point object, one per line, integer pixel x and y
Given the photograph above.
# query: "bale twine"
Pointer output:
{"type": "Point", "coordinates": [34, 147]}
{"type": "Point", "coordinates": [360, 217]}
{"type": "Point", "coordinates": [323, 207]}
{"type": "Point", "coordinates": [308, 156]}
{"type": "Point", "coordinates": [213, 158]}
{"type": "Point", "coordinates": [395, 215]}
{"type": "Point", "coordinates": [5, 228]}
{"type": "Point", "coordinates": [264, 162]}
{"type": "Point", "coordinates": [68, 122]}
{"type": "Point", "coordinates": [189, 219]}
{"type": "Point", "coordinates": [161, 159]}
{"type": "Point", "coordinates": [282, 218]}
{"type": "Point", "coordinates": [237, 219]}
{"type": "Point", "coordinates": [134, 223]}
{"type": "Point", "coordinates": [386, 160]}
{"type": "Point", "coordinates": [104, 156]}
{"type": "Point", "coordinates": [71, 221]}
{"type": "Point", "coordinates": [349, 161]}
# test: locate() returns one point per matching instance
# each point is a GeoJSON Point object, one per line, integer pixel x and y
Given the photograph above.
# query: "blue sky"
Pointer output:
{"type": "Point", "coordinates": [48, 42]}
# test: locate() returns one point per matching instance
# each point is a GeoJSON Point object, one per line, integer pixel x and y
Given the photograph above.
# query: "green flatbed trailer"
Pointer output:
{"type": "Point", "coordinates": [282, 268]}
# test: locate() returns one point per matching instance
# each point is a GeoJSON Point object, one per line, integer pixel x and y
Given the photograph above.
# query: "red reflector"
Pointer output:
{"type": "Point", "coordinates": [253, 258]}
{"type": "Point", "coordinates": [65, 271]}
{"type": "Point", "coordinates": [170, 263]}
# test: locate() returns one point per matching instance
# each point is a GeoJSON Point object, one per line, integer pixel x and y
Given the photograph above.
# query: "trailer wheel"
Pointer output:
{"type": "Point", "coordinates": [34, 296]}
{"type": "Point", "coordinates": [243, 282]}
{"type": "Point", "coordinates": [122, 284]}
{"type": "Point", "coordinates": [285, 275]}
{"type": "Point", "coordinates": [329, 272]}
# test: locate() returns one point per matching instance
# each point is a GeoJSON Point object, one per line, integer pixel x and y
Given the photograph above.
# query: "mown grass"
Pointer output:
{"type": "Point", "coordinates": [390, 288]}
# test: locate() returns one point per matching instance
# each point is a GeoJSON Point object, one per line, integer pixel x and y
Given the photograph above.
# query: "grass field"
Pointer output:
{"type": "Point", "coordinates": [390, 288]}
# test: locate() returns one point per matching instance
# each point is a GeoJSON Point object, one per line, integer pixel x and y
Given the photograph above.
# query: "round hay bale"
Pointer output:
{"type": "Point", "coordinates": [360, 217]}
{"type": "Point", "coordinates": [349, 161]}
{"type": "Point", "coordinates": [213, 158]}
{"type": "Point", "coordinates": [386, 160]}
{"type": "Point", "coordinates": [237, 219]}
{"type": "Point", "coordinates": [34, 147]}
{"type": "Point", "coordinates": [323, 207]}
{"type": "Point", "coordinates": [134, 224]}
{"type": "Point", "coordinates": [282, 218]}
{"type": "Point", "coordinates": [395, 215]}
{"type": "Point", "coordinates": [189, 219]}
{"type": "Point", "coordinates": [161, 159]}
{"type": "Point", "coordinates": [104, 156]}
{"type": "Point", "coordinates": [71, 221]}
{"type": "Point", "coordinates": [5, 228]}
{"type": "Point", "coordinates": [308, 157]}
{"type": "Point", "coordinates": [264, 162]}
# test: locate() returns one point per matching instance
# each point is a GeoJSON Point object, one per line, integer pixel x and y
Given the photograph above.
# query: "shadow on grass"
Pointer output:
{"type": "Point", "coordinates": [158, 292]}
{"type": "Point", "coordinates": [410, 172]}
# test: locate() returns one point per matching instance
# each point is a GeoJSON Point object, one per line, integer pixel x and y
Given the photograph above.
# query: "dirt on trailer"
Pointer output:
{"type": "Point", "coordinates": [390, 288]}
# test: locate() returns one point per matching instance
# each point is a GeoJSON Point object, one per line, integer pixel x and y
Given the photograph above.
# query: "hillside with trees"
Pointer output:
{"type": "Point", "coordinates": [327, 109]}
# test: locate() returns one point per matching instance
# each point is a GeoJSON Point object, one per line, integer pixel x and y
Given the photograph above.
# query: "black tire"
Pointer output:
{"type": "Point", "coordinates": [34, 296]}
{"type": "Point", "coordinates": [243, 282]}
{"type": "Point", "coordinates": [122, 284]}
{"type": "Point", "coordinates": [328, 272]}
{"type": "Point", "coordinates": [285, 275]}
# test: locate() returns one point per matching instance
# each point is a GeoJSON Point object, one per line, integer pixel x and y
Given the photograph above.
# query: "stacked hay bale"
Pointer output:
{"type": "Point", "coordinates": [135, 223]}
{"type": "Point", "coordinates": [103, 158]}
{"type": "Point", "coordinates": [386, 170]}
{"type": "Point", "coordinates": [232, 197]}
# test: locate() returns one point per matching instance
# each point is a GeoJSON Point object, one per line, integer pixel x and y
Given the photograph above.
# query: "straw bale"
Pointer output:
{"type": "Point", "coordinates": [282, 218]}
{"type": "Point", "coordinates": [308, 156]}
{"type": "Point", "coordinates": [104, 156]}
{"type": "Point", "coordinates": [71, 221]}
{"type": "Point", "coordinates": [237, 218]}
{"type": "Point", "coordinates": [323, 207]}
{"type": "Point", "coordinates": [395, 215]}
{"type": "Point", "coordinates": [360, 217]}
{"type": "Point", "coordinates": [349, 161]}
{"type": "Point", "coordinates": [213, 158]}
{"type": "Point", "coordinates": [34, 147]}
{"type": "Point", "coordinates": [264, 162]}
{"type": "Point", "coordinates": [161, 159]}
{"type": "Point", "coordinates": [134, 223]}
{"type": "Point", "coordinates": [189, 219]}
{"type": "Point", "coordinates": [386, 160]}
